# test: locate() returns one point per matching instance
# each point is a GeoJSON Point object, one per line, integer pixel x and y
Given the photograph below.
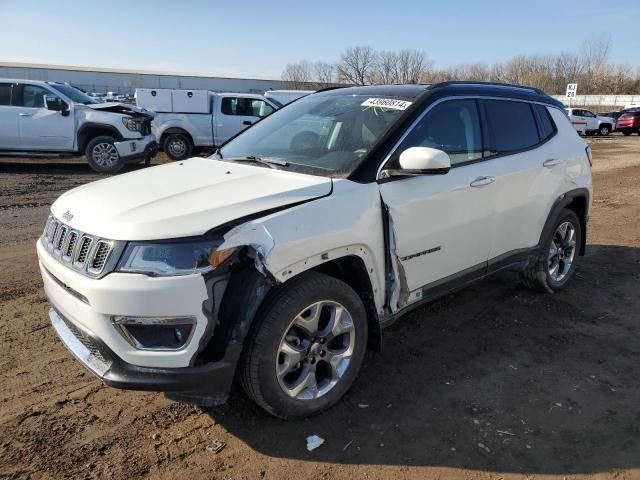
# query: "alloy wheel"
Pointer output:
{"type": "Point", "coordinates": [562, 251]}
{"type": "Point", "coordinates": [315, 351]}
{"type": "Point", "coordinates": [105, 154]}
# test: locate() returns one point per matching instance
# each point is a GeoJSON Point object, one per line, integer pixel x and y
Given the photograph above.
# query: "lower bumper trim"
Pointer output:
{"type": "Point", "coordinates": [211, 380]}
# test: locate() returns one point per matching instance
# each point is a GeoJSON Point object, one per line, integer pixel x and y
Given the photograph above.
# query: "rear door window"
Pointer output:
{"type": "Point", "coordinates": [5, 94]}
{"type": "Point", "coordinates": [511, 126]}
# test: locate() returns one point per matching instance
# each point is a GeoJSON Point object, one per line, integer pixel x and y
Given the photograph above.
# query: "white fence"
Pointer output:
{"type": "Point", "coordinates": [596, 100]}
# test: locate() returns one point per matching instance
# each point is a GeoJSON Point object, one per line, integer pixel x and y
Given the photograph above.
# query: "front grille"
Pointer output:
{"type": "Point", "coordinates": [86, 253]}
{"type": "Point", "coordinates": [83, 252]}
{"type": "Point", "coordinates": [146, 127]}
{"type": "Point", "coordinates": [72, 238]}
{"type": "Point", "coordinates": [100, 256]}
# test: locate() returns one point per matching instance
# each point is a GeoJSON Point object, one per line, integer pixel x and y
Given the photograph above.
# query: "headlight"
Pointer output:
{"type": "Point", "coordinates": [133, 124]}
{"type": "Point", "coordinates": [167, 259]}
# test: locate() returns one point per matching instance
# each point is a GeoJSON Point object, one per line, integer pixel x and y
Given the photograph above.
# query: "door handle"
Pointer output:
{"type": "Point", "coordinates": [483, 181]}
{"type": "Point", "coordinates": [22, 114]}
{"type": "Point", "coordinates": [551, 162]}
{"type": "Point", "coordinates": [247, 122]}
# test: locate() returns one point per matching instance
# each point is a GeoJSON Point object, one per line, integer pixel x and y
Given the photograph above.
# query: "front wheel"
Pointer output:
{"type": "Point", "coordinates": [554, 267]}
{"type": "Point", "coordinates": [307, 348]}
{"type": "Point", "coordinates": [626, 133]}
{"type": "Point", "coordinates": [103, 156]}
{"type": "Point", "coordinates": [177, 146]}
{"type": "Point", "coordinates": [604, 130]}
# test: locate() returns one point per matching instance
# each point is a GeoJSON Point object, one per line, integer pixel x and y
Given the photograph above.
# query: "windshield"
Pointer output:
{"type": "Point", "coordinates": [73, 94]}
{"type": "Point", "coordinates": [321, 134]}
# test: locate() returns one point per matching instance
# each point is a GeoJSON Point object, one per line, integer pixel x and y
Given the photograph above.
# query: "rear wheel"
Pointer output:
{"type": "Point", "coordinates": [177, 146]}
{"type": "Point", "coordinates": [103, 156]}
{"type": "Point", "coordinates": [555, 265]}
{"type": "Point", "coordinates": [307, 349]}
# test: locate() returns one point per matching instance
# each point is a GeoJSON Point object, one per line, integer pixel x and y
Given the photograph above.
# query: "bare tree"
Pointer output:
{"type": "Point", "coordinates": [386, 67]}
{"type": "Point", "coordinates": [297, 75]}
{"type": "Point", "coordinates": [356, 65]}
{"type": "Point", "coordinates": [595, 52]}
{"type": "Point", "coordinates": [324, 74]}
{"type": "Point", "coordinates": [411, 65]}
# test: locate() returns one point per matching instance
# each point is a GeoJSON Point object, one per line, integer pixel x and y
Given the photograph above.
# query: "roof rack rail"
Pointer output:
{"type": "Point", "coordinates": [335, 87]}
{"type": "Point", "coordinates": [487, 84]}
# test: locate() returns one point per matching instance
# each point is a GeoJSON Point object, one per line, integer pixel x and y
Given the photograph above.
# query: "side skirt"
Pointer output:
{"type": "Point", "coordinates": [516, 260]}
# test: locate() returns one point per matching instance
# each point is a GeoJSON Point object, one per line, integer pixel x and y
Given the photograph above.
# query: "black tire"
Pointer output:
{"type": "Point", "coordinates": [257, 370]}
{"type": "Point", "coordinates": [626, 133]}
{"type": "Point", "coordinates": [177, 146]}
{"type": "Point", "coordinates": [536, 275]}
{"type": "Point", "coordinates": [604, 130]}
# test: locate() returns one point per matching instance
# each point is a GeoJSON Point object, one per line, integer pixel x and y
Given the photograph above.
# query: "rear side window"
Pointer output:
{"type": "Point", "coordinates": [546, 127]}
{"type": "Point", "coordinates": [5, 94]}
{"type": "Point", "coordinates": [452, 126]}
{"type": "Point", "coordinates": [511, 126]}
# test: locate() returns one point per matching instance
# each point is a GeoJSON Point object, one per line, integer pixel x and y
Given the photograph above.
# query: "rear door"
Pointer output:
{"type": "Point", "coordinates": [528, 166]}
{"type": "Point", "coordinates": [40, 128]}
{"type": "Point", "coordinates": [237, 112]}
{"type": "Point", "coordinates": [9, 132]}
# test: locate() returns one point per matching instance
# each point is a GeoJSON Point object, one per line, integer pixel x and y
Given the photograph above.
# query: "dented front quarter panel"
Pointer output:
{"type": "Point", "coordinates": [347, 222]}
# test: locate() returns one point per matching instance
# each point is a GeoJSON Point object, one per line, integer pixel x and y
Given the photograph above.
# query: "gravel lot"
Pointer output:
{"type": "Point", "coordinates": [492, 382]}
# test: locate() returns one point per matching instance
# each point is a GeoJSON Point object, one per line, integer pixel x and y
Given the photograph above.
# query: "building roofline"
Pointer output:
{"type": "Point", "coordinates": [77, 68]}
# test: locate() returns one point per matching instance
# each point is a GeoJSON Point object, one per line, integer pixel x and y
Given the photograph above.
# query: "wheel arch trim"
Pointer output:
{"type": "Point", "coordinates": [567, 200]}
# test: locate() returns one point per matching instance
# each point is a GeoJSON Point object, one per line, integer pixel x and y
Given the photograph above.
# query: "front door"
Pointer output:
{"type": "Point", "coordinates": [42, 129]}
{"type": "Point", "coordinates": [442, 224]}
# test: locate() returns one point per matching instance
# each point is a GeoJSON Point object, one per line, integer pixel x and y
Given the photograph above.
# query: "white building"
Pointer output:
{"type": "Point", "coordinates": [102, 80]}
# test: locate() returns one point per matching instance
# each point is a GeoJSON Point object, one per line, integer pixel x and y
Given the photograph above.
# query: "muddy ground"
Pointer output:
{"type": "Point", "coordinates": [492, 382]}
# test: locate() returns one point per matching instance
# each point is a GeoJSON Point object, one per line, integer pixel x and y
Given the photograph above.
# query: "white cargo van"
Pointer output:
{"type": "Point", "coordinates": [188, 119]}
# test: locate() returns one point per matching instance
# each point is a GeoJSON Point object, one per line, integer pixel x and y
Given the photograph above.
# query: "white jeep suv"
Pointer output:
{"type": "Point", "coordinates": [281, 257]}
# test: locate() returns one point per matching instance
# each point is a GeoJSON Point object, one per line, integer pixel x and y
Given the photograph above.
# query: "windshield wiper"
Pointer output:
{"type": "Point", "coordinates": [271, 163]}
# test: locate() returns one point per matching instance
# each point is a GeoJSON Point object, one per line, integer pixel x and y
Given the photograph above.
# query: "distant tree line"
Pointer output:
{"type": "Point", "coordinates": [363, 65]}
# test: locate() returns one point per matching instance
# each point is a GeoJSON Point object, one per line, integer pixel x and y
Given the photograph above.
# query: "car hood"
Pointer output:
{"type": "Point", "coordinates": [182, 199]}
{"type": "Point", "coordinates": [123, 108]}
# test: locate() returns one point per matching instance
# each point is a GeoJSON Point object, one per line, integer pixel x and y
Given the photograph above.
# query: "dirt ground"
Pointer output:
{"type": "Point", "coordinates": [492, 382]}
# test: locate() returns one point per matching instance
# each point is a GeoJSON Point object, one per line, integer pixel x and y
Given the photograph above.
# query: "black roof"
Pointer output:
{"type": "Point", "coordinates": [449, 88]}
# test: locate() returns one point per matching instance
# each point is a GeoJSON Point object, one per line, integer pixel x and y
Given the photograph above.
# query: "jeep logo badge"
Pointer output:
{"type": "Point", "coordinates": [67, 216]}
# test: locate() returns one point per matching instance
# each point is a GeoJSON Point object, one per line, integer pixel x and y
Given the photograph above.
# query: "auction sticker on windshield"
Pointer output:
{"type": "Point", "coordinates": [386, 103]}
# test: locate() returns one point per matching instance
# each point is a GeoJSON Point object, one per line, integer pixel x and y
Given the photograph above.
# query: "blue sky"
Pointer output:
{"type": "Point", "coordinates": [260, 37]}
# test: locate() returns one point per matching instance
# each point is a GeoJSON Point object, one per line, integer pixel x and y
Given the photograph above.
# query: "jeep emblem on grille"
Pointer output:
{"type": "Point", "coordinates": [67, 216]}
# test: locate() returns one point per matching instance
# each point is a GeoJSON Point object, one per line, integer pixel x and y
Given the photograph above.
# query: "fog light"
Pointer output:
{"type": "Point", "coordinates": [155, 333]}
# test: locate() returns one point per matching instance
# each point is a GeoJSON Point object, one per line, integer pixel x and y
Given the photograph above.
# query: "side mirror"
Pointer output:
{"type": "Point", "coordinates": [423, 161]}
{"type": "Point", "coordinates": [56, 104]}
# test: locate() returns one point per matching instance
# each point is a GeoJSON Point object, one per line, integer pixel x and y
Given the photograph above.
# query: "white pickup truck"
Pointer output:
{"type": "Point", "coordinates": [49, 119]}
{"type": "Point", "coordinates": [588, 123]}
{"type": "Point", "coordinates": [190, 119]}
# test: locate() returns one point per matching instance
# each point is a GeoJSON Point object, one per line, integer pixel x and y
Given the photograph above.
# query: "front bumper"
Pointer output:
{"type": "Point", "coordinates": [212, 380]}
{"type": "Point", "coordinates": [133, 149]}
